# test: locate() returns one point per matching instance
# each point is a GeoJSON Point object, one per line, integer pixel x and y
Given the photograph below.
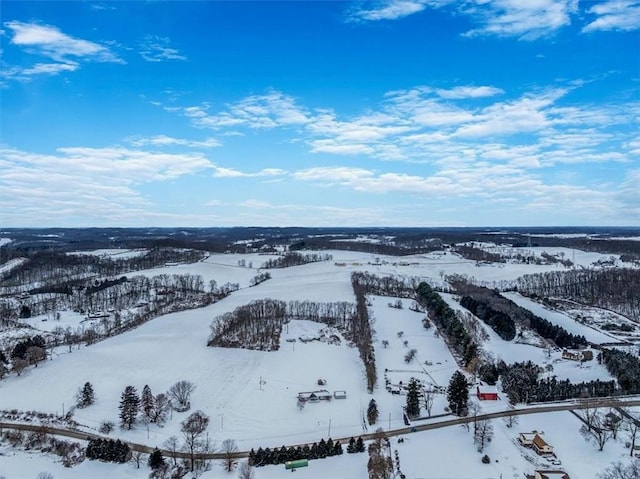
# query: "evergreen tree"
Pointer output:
{"type": "Point", "coordinates": [372, 412]}
{"type": "Point", "coordinates": [147, 403]}
{"type": "Point", "coordinates": [351, 447]}
{"type": "Point", "coordinates": [413, 399]}
{"type": "Point", "coordinates": [337, 449]}
{"type": "Point", "coordinates": [86, 396]}
{"type": "Point", "coordinates": [129, 404]}
{"type": "Point", "coordinates": [458, 393]}
{"type": "Point", "coordinates": [156, 459]}
{"type": "Point", "coordinates": [359, 445]}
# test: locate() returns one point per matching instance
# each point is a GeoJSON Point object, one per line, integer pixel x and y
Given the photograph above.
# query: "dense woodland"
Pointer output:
{"type": "Point", "coordinates": [385, 285]}
{"type": "Point", "coordinates": [55, 269]}
{"type": "Point", "coordinates": [502, 315]}
{"type": "Point", "coordinates": [258, 324]}
{"type": "Point", "coordinates": [611, 288]}
{"type": "Point", "coordinates": [448, 323]}
{"type": "Point", "coordinates": [522, 384]}
{"type": "Point", "coordinates": [293, 258]}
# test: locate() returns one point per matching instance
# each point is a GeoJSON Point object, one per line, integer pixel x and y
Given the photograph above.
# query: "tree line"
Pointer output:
{"type": "Point", "coordinates": [522, 383]}
{"type": "Point", "coordinates": [448, 323]}
{"type": "Point", "coordinates": [56, 267]}
{"type": "Point", "coordinates": [611, 288]}
{"type": "Point", "coordinates": [293, 258]}
{"type": "Point", "coordinates": [502, 314]}
{"type": "Point", "coordinates": [318, 450]}
{"type": "Point", "coordinates": [385, 285]}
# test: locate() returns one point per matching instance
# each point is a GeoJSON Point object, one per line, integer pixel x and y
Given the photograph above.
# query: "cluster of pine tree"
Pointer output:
{"type": "Point", "coordinates": [108, 450]}
{"type": "Point", "coordinates": [521, 384]}
{"type": "Point", "coordinates": [501, 314]}
{"type": "Point", "coordinates": [318, 450]}
{"type": "Point", "coordinates": [500, 322]}
{"type": "Point", "coordinates": [625, 367]}
{"type": "Point", "coordinates": [448, 323]}
{"type": "Point", "coordinates": [360, 333]}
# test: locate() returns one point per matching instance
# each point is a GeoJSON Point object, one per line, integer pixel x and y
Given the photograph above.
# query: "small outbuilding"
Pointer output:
{"type": "Point", "coordinates": [486, 393]}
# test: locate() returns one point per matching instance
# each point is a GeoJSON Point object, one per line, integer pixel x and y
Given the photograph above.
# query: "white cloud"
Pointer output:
{"type": "Point", "coordinates": [163, 140]}
{"type": "Point", "coordinates": [527, 20]}
{"type": "Point", "coordinates": [271, 110]}
{"type": "Point", "coordinates": [462, 92]}
{"type": "Point", "coordinates": [221, 172]}
{"type": "Point", "coordinates": [66, 51]}
{"type": "Point", "coordinates": [158, 49]}
{"type": "Point", "coordinates": [614, 15]}
{"type": "Point", "coordinates": [387, 10]}
{"type": "Point", "coordinates": [51, 42]}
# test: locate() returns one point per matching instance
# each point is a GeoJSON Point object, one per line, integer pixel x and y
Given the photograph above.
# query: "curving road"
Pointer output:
{"type": "Point", "coordinates": [584, 404]}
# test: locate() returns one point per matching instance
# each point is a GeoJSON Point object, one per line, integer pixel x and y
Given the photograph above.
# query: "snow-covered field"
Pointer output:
{"type": "Point", "coordinates": [114, 253]}
{"type": "Point", "coordinates": [250, 396]}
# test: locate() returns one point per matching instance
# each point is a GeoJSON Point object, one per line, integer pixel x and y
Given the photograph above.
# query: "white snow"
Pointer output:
{"type": "Point", "coordinates": [250, 396]}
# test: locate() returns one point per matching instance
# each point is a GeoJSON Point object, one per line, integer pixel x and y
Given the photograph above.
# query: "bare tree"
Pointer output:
{"type": "Point", "coordinates": [511, 420]}
{"type": "Point", "coordinates": [631, 427]}
{"type": "Point", "coordinates": [179, 395]}
{"type": "Point", "coordinates": [622, 471]}
{"type": "Point", "coordinates": [193, 429]}
{"type": "Point", "coordinates": [19, 365]}
{"type": "Point", "coordinates": [229, 449]}
{"type": "Point", "coordinates": [161, 409]}
{"type": "Point", "coordinates": [136, 458]}
{"type": "Point", "coordinates": [589, 416]}
{"type": "Point", "coordinates": [598, 432]}
{"type": "Point", "coordinates": [483, 434]}
{"type": "Point", "coordinates": [428, 395]}
{"type": "Point", "coordinates": [245, 471]}
{"type": "Point", "coordinates": [44, 475]}
{"type": "Point", "coordinates": [35, 354]}
{"type": "Point", "coordinates": [172, 446]}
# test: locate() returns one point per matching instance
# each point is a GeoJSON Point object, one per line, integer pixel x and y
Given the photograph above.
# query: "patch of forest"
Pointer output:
{"type": "Point", "coordinates": [52, 268]}
{"type": "Point", "coordinates": [293, 258]}
{"type": "Point", "coordinates": [448, 323]}
{"type": "Point", "coordinates": [522, 384]}
{"type": "Point", "coordinates": [612, 288]}
{"type": "Point", "coordinates": [385, 285]}
{"type": "Point", "coordinates": [476, 254]}
{"type": "Point", "coordinates": [500, 322]}
{"type": "Point", "coordinates": [502, 315]}
{"type": "Point", "coordinates": [258, 325]}
{"type": "Point", "coordinates": [625, 367]}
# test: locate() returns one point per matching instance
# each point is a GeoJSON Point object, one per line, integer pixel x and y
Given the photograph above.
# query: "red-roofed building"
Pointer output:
{"type": "Point", "coordinates": [486, 393]}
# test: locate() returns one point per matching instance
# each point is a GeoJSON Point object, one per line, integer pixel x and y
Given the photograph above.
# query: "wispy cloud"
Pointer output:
{"type": "Point", "coordinates": [514, 18]}
{"type": "Point", "coordinates": [614, 15]}
{"type": "Point", "coordinates": [47, 41]}
{"type": "Point", "coordinates": [95, 182]}
{"type": "Point", "coordinates": [390, 9]}
{"type": "Point", "coordinates": [273, 109]}
{"type": "Point", "coordinates": [426, 124]}
{"type": "Point", "coordinates": [157, 49]}
{"type": "Point", "coordinates": [163, 140]}
{"type": "Point", "coordinates": [221, 172]}
{"type": "Point", "coordinates": [526, 20]}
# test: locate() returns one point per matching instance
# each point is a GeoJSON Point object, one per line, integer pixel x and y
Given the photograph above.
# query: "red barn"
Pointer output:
{"type": "Point", "coordinates": [486, 393]}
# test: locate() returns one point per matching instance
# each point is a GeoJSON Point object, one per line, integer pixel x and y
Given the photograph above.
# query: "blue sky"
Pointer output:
{"type": "Point", "coordinates": [391, 113]}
